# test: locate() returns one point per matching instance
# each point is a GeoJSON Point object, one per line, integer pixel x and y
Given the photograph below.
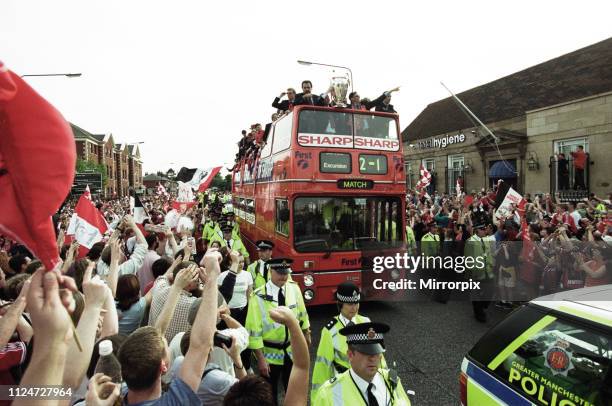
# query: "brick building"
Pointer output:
{"type": "Point", "coordinates": [121, 169]}
{"type": "Point", "coordinates": [122, 162]}
{"type": "Point", "coordinates": [134, 167]}
{"type": "Point", "coordinates": [535, 114]}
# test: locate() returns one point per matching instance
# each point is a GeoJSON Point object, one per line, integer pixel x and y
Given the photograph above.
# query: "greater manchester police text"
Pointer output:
{"type": "Point", "coordinates": [414, 262]}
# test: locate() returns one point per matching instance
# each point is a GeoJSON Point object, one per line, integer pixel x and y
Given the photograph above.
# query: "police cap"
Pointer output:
{"type": "Point", "coordinates": [367, 338]}
{"type": "Point", "coordinates": [264, 245]}
{"type": "Point", "coordinates": [280, 265]}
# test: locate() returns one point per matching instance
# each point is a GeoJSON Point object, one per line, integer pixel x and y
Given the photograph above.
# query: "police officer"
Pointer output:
{"type": "Point", "coordinates": [410, 239]}
{"type": "Point", "coordinates": [231, 243]}
{"type": "Point", "coordinates": [430, 242]}
{"type": "Point", "coordinates": [478, 248]}
{"type": "Point", "coordinates": [211, 228]}
{"type": "Point", "coordinates": [231, 219]}
{"type": "Point", "coordinates": [365, 383]}
{"type": "Point", "coordinates": [259, 269]}
{"type": "Point", "coordinates": [331, 355]}
{"type": "Point", "coordinates": [269, 340]}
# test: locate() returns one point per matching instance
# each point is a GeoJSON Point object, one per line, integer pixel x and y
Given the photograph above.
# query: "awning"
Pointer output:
{"type": "Point", "coordinates": [502, 169]}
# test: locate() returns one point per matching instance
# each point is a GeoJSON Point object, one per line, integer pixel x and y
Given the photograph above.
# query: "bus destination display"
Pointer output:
{"type": "Point", "coordinates": [332, 162]}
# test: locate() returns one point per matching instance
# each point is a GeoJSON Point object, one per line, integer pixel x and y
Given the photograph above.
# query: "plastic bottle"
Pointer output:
{"type": "Point", "coordinates": [108, 364]}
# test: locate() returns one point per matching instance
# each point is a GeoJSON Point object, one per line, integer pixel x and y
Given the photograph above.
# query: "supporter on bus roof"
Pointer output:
{"type": "Point", "coordinates": [381, 103]}
{"type": "Point", "coordinates": [268, 127]}
{"type": "Point", "coordinates": [285, 104]}
{"type": "Point", "coordinates": [385, 104]}
{"type": "Point", "coordinates": [307, 97]}
{"type": "Point", "coordinates": [356, 103]}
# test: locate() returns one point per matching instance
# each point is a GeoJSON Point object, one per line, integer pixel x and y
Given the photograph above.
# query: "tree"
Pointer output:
{"type": "Point", "coordinates": [89, 166]}
{"type": "Point", "coordinates": [222, 183]}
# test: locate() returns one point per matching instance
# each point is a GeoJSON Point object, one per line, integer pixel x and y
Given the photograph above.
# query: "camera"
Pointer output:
{"type": "Point", "coordinates": [221, 339]}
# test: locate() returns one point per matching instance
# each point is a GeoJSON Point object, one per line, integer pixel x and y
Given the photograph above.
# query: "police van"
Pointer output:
{"type": "Point", "coordinates": [554, 351]}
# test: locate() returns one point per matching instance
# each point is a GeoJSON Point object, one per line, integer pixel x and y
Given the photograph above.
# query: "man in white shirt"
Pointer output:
{"type": "Point", "coordinates": [575, 215]}
{"type": "Point", "coordinates": [132, 265]}
{"type": "Point", "coordinates": [145, 273]}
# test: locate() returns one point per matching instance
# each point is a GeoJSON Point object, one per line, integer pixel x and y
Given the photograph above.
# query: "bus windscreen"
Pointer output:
{"type": "Point", "coordinates": [326, 224]}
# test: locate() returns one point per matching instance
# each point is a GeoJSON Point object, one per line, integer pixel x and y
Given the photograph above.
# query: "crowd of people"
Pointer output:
{"type": "Point", "coordinates": [545, 247]}
{"type": "Point", "coordinates": [187, 314]}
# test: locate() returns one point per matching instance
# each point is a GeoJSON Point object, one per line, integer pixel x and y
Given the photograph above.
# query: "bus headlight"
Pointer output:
{"type": "Point", "coordinates": [308, 280]}
{"type": "Point", "coordinates": [309, 294]}
{"type": "Point", "coordinates": [395, 274]}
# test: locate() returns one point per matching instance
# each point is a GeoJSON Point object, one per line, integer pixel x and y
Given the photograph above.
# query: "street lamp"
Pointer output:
{"type": "Point", "coordinates": [68, 75]}
{"type": "Point", "coordinates": [308, 63]}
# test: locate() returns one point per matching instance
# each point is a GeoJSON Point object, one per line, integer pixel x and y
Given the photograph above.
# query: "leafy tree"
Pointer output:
{"type": "Point", "coordinates": [222, 183]}
{"type": "Point", "coordinates": [89, 166]}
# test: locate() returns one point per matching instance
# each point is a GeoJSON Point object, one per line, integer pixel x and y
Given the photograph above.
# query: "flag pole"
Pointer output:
{"type": "Point", "coordinates": [470, 111]}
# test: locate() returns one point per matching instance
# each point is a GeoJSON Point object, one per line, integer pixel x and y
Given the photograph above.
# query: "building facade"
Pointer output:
{"type": "Point", "coordinates": [121, 169]}
{"type": "Point", "coordinates": [122, 163]}
{"type": "Point", "coordinates": [152, 180]}
{"type": "Point", "coordinates": [534, 115]}
{"type": "Point", "coordinates": [135, 168]}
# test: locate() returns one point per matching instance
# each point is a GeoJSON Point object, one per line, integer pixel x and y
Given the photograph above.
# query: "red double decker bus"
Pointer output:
{"type": "Point", "coordinates": [329, 190]}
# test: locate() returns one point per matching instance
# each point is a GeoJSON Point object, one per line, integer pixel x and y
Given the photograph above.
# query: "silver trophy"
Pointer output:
{"type": "Point", "coordinates": [339, 88]}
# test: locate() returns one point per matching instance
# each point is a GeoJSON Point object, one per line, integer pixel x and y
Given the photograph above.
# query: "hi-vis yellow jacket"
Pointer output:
{"type": "Point", "coordinates": [264, 333]}
{"type": "Point", "coordinates": [342, 390]}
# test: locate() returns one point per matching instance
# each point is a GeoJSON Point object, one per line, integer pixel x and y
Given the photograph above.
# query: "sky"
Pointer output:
{"type": "Point", "coordinates": [185, 77]}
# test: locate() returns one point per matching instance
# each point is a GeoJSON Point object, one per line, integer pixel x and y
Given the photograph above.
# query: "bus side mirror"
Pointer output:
{"type": "Point", "coordinates": [283, 215]}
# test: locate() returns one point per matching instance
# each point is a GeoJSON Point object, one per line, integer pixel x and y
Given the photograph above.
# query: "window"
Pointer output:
{"type": "Point", "coordinates": [372, 164]}
{"type": "Point", "coordinates": [331, 162]}
{"type": "Point", "coordinates": [372, 126]}
{"type": "Point", "coordinates": [566, 177]}
{"type": "Point", "coordinates": [429, 164]}
{"type": "Point", "coordinates": [282, 217]}
{"type": "Point", "coordinates": [455, 172]}
{"type": "Point", "coordinates": [267, 149]}
{"type": "Point", "coordinates": [249, 210]}
{"type": "Point", "coordinates": [282, 133]}
{"type": "Point", "coordinates": [565, 360]}
{"type": "Point", "coordinates": [409, 174]}
{"type": "Point", "coordinates": [324, 224]}
{"type": "Point", "coordinates": [570, 145]}
{"type": "Point", "coordinates": [325, 122]}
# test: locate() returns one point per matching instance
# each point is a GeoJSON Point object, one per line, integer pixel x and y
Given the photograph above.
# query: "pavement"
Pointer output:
{"type": "Point", "coordinates": [428, 341]}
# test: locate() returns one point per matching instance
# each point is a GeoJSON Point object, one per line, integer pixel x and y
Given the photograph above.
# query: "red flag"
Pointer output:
{"type": "Point", "coordinates": [520, 209]}
{"type": "Point", "coordinates": [161, 190]}
{"type": "Point", "coordinates": [37, 164]}
{"type": "Point", "coordinates": [198, 179]}
{"type": "Point", "coordinates": [87, 193]}
{"type": "Point", "coordinates": [425, 179]}
{"type": "Point", "coordinates": [87, 223]}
